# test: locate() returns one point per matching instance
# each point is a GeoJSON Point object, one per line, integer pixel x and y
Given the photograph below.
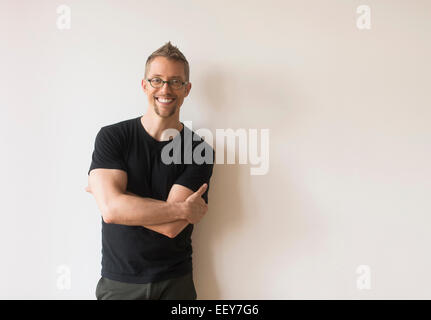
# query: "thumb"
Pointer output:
{"type": "Point", "coordinates": [200, 191]}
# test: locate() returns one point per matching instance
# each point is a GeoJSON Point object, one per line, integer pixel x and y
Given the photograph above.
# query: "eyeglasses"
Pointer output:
{"type": "Point", "coordinates": [173, 83]}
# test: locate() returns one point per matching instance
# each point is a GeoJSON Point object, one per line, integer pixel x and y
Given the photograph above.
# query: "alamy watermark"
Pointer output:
{"type": "Point", "coordinates": [363, 281]}
{"type": "Point", "coordinates": [248, 147]}
{"type": "Point", "coordinates": [64, 18]}
{"type": "Point", "coordinates": [363, 22]}
{"type": "Point", "coordinates": [64, 277]}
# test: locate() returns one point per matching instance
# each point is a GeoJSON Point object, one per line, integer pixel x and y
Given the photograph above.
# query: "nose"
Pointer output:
{"type": "Point", "coordinates": [165, 88]}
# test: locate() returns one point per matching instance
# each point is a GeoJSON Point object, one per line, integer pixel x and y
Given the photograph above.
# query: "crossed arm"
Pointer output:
{"type": "Point", "coordinates": [119, 206]}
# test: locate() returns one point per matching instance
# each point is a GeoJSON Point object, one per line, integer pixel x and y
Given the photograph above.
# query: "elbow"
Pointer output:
{"type": "Point", "coordinates": [176, 229]}
{"type": "Point", "coordinates": [107, 219]}
{"type": "Point", "coordinates": [108, 214]}
{"type": "Point", "coordinates": [171, 233]}
{"type": "Point", "coordinates": [110, 209]}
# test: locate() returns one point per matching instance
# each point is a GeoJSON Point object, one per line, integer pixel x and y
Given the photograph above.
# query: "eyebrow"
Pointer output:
{"type": "Point", "coordinates": [159, 75]}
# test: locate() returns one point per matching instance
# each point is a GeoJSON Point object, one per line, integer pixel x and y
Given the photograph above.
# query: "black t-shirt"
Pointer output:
{"type": "Point", "coordinates": [136, 254]}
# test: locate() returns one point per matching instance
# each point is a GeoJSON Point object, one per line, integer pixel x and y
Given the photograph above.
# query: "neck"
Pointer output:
{"type": "Point", "coordinates": [155, 125]}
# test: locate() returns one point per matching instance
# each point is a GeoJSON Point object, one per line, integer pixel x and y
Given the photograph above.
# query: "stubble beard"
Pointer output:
{"type": "Point", "coordinates": [157, 111]}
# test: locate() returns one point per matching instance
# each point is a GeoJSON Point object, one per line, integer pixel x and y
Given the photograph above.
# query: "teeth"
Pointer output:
{"type": "Point", "coordinates": [164, 100]}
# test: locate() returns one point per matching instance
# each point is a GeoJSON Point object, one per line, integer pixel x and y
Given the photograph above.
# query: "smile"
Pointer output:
{"type": "Point", "coordinates": [165, 101]}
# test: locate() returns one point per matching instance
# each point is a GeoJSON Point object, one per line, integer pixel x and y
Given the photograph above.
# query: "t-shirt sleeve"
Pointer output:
{"type": "Point", "coordinates": [108, 150]}
{"type": "Point", "coordinates": [195, 175]}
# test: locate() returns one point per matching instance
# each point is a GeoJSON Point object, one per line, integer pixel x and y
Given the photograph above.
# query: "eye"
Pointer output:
{"type": "Point", "coordinates": [175, 81]}
{"type": "Point", "coordinates": [156, 80]}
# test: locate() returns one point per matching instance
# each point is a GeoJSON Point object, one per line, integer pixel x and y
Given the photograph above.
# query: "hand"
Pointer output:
{"type": "Point", "coordinates": [195, 206]}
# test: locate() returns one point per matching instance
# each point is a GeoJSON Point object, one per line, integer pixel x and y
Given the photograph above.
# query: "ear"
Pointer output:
{"type": "Point", "coordinates": [144, 84]}
{"type": "Point", "coordinates": [188, 88]}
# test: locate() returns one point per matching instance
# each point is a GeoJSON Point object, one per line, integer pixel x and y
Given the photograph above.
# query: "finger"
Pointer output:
{"type": "Point", "coordinates": [201, 190]}
{"type": "Point", "coordinates": [198, 193]}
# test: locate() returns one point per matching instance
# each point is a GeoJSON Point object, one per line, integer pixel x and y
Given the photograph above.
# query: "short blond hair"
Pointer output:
{"type": "Point", "coordinates": [171, 52]}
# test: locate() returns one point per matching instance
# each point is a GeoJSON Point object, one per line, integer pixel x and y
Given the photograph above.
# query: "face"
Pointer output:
{"type": "Point", "coordinates": [165, 69]}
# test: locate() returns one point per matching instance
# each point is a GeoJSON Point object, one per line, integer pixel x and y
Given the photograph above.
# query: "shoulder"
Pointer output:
{"type": "Point", "coordinates": [116, 135]}
{"type": "Point", "coordinates": [123, 125]}
{"type": "Point", "coordinates": [119, 130]}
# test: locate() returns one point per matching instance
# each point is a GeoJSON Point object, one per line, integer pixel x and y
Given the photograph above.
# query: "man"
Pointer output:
{"type": "Point", "coordinates": [149, 206]}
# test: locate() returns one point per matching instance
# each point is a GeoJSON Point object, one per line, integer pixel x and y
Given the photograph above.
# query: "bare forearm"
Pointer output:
{"type": "Point", "coordinates": [170, 229]}
{"type": "Point", "coordinates": [132, 210]}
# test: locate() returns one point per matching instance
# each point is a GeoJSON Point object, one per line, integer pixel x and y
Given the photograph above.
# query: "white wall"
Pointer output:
{"type": "Point", "coordinates": [348, 112]}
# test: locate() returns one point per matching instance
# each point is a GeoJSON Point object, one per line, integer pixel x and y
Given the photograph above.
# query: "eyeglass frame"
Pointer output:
{"type": "Point", "coordinates": [168, 82]}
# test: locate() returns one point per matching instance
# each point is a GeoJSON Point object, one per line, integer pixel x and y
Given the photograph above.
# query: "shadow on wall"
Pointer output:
{"type": "Point", "coordinates": [226, 214]}
{"type": "Point", "coordinates": [233, 207]}
{"type": "Point", "coordinates": [224, 200]}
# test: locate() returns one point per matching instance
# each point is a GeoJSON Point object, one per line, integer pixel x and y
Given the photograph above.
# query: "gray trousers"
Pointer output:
{"type": "Point", "coordinates": [181, 288]}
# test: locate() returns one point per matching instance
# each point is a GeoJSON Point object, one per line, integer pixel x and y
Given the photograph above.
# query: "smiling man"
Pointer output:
{"type": "Point", "coordinates": [149, 207]}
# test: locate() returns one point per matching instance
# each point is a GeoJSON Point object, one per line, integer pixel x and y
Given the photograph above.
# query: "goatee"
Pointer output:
{"type": "Point", "coordinates": [156, 109]}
